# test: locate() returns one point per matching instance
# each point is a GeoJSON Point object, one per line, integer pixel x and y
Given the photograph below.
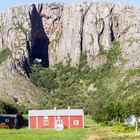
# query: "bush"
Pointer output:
{"type": "Point", "coordinates": [4, 54]}
{"type": "Point", "coordinates": [6, 108]}
{"type": "Point", "coordinates": [123, 128]}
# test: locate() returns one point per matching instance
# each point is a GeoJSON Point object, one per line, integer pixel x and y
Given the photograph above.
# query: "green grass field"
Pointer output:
{"type": "Point", "coordinates": [93, 131]}
{"type": "Point", "coordinates": [26, 134]}
{"type": "Point", "coordinates": [101, 133]}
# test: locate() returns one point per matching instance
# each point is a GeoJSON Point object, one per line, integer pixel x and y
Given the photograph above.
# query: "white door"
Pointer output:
{"type": "Point", "coordinates": [59, 125]}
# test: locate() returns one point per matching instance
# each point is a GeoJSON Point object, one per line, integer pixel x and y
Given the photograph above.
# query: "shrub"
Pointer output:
{"type": "Point", "coordinates": [4, 54]}
{"type": "Point", "coordinates": [7, 108]}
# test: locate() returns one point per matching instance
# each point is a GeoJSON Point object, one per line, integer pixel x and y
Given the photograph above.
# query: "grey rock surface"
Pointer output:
{"type": "Point", "coordinates": [58, 32]}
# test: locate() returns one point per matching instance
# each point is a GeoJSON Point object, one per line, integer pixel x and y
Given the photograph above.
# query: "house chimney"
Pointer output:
{"type": "Point", "coordinates": [55, 108]}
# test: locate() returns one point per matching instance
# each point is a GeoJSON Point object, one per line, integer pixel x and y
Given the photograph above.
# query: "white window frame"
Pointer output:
{"type": "Point", "coordinates": [60, 122]}
{"type": "Point", "coordinates": [76, 122]}
{"type": "Point", "coordinates": [46, 122]}
{"type": "Point", "coordinates": [7, 120]}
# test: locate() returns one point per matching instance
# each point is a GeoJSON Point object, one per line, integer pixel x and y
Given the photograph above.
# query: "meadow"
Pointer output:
{"type": "Point", "coordinates": [92, 131]}
{"type": "Point", "coordinates": [99, 133]}
{"type": "Point", "coordinates": [26, 134]}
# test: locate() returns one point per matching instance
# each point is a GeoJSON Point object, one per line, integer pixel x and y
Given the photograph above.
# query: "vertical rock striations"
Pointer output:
{"type": "Point", "coordinates": [57, 32]}
{"type": "Point", "coordinates": [20, 28]}
{"type": "Point", "coordinates": [91, 28]}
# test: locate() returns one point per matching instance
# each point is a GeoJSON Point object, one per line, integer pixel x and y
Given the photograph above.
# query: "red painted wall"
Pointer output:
{"type": "Point", "coordinates": [41, 122]}
{"type": "Point", "coordinates": [32, 122]}
{"type": "Point", "coordinates": [80, 118]}
{"type": "Point", "coordinates": [65, 121]}
{"type": "Point", "coordinates": [52, 119]}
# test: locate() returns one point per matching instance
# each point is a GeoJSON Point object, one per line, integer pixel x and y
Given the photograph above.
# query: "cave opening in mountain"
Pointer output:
{"type": "Point", "coordinates": [40, 40]}
{"type": "Point", "coordinates": [40, 51]}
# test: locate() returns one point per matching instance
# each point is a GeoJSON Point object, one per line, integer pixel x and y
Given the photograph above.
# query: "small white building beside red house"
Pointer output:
{"type": "Point", "coordinates": [52, 119]}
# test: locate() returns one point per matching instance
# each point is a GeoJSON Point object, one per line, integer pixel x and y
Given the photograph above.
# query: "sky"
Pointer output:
{"type": "Point", "coordinates": [4, 4]}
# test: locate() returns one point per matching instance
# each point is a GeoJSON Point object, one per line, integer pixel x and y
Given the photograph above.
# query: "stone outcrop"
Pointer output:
{"type": "Point", "coordinates": [15, 88]}
{"type": "Point", "coordinates": [90, 27]}
{"type": "Point", "coordinates": [19, 29]}
{"type": "Point", "coordinates": [57, 32]}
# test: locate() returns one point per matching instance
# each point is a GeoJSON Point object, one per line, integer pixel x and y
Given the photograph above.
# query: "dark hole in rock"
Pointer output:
{"type": "Point", "coordinates": [40, 51]}
{"type": "Point", "coordinates": [40, 40]}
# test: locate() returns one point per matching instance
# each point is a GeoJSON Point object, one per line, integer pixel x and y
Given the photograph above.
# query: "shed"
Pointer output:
{"type": "Point", "coordinates": [8, 121]}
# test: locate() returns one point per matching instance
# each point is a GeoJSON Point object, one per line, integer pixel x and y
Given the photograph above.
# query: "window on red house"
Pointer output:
{"type": "Point", "coordinates": [76, 122]}
{"type": "Point", "coordinates": [46, 122]}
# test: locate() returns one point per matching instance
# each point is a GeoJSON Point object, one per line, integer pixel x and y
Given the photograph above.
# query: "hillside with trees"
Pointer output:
{"type": "Point", "coordinates": [107, 93]}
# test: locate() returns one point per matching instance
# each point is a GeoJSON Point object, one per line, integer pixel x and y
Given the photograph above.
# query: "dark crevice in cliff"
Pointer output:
{"type": "Point", "coordinates": [101, 29]}
{"type": "Point", "coordinates": [39, 39]}
{"type": "Point", "coordinates": [112, 33]}
{"type": "Point", "coordinates": [111, 26]}
{"type": "Point", "coordinates": [26, 67]}
{"type": "Point", "coordinates": [81, 31]}
{"type": "Point", "coordinates": [27, 62]}
{"type": "Point", "coordinates": [83, 16]}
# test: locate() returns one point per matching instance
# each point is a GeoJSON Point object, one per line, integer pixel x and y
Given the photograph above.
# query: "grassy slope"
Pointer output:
{"type": "Point", "coordinates": [114, 133]}
{"type": "Point", "coordinates": [98, 132]}
{"type": "Point", "coordinates": [15, 87]}
{"type": "Point", "coordinates": [25, 134]}
{"type": "Point", "coordinates": [95, 131]}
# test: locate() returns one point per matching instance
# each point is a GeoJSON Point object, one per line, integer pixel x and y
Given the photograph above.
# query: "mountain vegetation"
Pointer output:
{"type": "Point", "coordinates": [4, 54]}
{"type": "Point", "coordinates": [106, 93]}
{"type": "Point", "coordinates": [7, 108]}
{"type": "Point", "coordinates": [93, 63]}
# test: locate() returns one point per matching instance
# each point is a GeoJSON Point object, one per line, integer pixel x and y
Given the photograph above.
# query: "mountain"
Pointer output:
{"type": "Point", "coordinates": [51, 33]}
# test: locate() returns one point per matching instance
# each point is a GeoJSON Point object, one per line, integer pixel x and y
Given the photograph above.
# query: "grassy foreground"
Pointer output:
{"type": "Point", "coordinates": [26, 134]}
{"type": "Point", "coordinates": [92, 131]}
{"type": "Point", "coordinates": [113, 133]}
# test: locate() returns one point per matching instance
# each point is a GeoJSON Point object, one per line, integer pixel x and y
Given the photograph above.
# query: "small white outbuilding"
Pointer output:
{"type": "Point", "coordinates": [131, 121]}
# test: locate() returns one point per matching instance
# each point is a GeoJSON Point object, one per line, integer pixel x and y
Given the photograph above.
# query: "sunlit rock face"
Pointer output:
{"type": "Point", "coordinates": [90, 27]}
{"type": "Point", "coordinates": [55, 32]}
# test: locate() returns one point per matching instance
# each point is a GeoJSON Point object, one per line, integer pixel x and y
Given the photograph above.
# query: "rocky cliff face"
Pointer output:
{"type": "Point", "coordinates": [57, 32]}
{"type": "Point", "coordinates": [19, 29]}
{"type": "Point", "coordinates": [90, 27]}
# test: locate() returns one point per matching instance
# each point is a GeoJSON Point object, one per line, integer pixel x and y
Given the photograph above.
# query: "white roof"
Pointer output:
{"type": "Point", "coordinates": [59, 112]}
{"type": "Point", "coordinates": [8, 115]}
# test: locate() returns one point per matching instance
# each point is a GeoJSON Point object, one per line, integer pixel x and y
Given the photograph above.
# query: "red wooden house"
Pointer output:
{"type": "Point", "coordinates": [52, 119]}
